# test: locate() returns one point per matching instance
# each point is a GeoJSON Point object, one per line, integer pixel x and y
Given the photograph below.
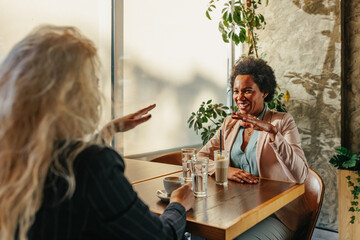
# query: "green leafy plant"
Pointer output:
{"type": "Point", "coordinates": [277, 102]}
{"type": "Point", "coordinates": [209, 117]}
{"type": "Point", "coordinates": [239, 21]}
{"type": "Point", "coordinates": [347, 160]}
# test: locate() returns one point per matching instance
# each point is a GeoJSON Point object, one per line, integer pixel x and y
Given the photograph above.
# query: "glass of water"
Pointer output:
{"type": "Point", "coordinates": [199, 176]}
{"type": "Point", "coordinates": [186, 155]}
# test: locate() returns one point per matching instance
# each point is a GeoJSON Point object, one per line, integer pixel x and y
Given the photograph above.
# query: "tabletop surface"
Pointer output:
{"type": "Point", "coordinates": [138, 171]}
{"type": "Point", "coordinates": [227, 211]}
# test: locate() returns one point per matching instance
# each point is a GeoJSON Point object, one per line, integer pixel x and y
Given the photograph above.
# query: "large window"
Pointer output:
{"type": "Point", "coordinates": [91, 17]}
{"type": "Point", "coordinates": [164, 51]}
{"type": "Point", "coordinates": [168, 53]}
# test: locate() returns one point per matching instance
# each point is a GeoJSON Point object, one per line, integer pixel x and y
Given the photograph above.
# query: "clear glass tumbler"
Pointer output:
{"type": "Point", "coordinates": [200, 176]}
{"type": "Point", "coordinates": [186, 155]}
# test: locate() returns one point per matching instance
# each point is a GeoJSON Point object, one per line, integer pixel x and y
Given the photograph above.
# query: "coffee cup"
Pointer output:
{"type": "Point", "coordinates": [172, 183]}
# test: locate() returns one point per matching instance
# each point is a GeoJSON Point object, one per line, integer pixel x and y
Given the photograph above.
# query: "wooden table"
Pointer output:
{"type": "Point", "coordinates": [227, 211]}
{"type": "Point", "coordinates": [138, 171]}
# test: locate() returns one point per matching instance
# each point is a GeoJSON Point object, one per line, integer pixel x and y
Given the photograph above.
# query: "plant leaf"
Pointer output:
{"type": "Point", "coordinates": [242, 35]}
{"type": "Point", "coordinates": [208, 15]}
{"type": "Point", "coordinates": [191, 124]}
{"type": "Point", "coordinates": [345, 152]}
{"type": "Point", "coordinates": [349, 164]}
{"type": "Point", "coordinates": [224, 37]}
{"type": "Point", "coordinates": [229, 18]}
{"type": "Point", "coordinates": [352, 219]}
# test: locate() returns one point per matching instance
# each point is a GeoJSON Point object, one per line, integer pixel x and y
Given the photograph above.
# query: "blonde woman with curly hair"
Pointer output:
{"type": "Point", "coordinates": [55, 184]}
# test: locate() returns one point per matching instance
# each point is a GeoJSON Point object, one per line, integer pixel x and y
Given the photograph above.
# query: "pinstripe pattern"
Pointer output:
{"type": "Point", "coordinates": [104, 205]}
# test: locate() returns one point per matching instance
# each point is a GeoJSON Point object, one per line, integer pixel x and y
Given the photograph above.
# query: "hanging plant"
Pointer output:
{"type": "Point", "coordinates": [239, 22]}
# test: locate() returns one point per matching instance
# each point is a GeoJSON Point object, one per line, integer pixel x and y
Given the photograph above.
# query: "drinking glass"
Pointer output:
{"type": "Point", "coordinates": [186, 156]}
{"type": "Point", "coordinates": [221, 166]}
{"type": "Point", "coordinates": [199, 176]}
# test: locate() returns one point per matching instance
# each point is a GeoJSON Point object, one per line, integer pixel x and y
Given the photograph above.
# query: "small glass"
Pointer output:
{"type": "Point", "coordinates": [186, 156]}
{"type": "Point", "coordinates": [221, 166]}
{"type": "Point", "coordinates": [200, 176]}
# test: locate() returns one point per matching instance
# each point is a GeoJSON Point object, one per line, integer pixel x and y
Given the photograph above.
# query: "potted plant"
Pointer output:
{"type": "Point", "coordinates": [348, 165]}
{"type": "Point", "coordinates": [349, 162]}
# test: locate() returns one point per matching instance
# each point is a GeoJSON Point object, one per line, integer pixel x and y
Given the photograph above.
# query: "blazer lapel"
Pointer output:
{"type": "Point", "coordinates": [261, 139]}
{"type": "Point", "coordinates": [233, 132]}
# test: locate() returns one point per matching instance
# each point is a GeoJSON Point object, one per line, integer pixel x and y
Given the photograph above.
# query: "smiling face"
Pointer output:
{"type": "Point", "coordinates": [247, 95]}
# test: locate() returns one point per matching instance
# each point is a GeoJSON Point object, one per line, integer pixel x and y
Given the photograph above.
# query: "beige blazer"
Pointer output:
{"type": "Point", "coordinates": [282, 159]}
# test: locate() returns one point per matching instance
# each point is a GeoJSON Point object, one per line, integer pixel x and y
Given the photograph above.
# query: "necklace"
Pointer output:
{"type": "Point", "coordinates": [249, 133]}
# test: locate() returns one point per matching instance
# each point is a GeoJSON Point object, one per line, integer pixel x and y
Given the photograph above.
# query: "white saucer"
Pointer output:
{"type": "Point", "coordinates": [162, 194]}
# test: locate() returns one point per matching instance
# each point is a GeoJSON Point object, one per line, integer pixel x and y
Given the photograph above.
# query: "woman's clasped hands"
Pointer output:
{"type": "Point", "coordinates": [250, 121]}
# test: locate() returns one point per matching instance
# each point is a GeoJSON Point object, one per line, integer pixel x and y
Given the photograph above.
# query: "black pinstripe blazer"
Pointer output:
{"type": "Point", "coordinates": [104, 205]}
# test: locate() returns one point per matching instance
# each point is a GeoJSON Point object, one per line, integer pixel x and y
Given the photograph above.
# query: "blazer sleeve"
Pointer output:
{"type": "Point", "coordinates": [287, 148]}
{"type": "Point", "coordinates": [122, 213]}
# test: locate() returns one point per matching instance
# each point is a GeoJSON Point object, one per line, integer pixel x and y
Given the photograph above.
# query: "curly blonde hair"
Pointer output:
{"type": "Point", "coordinates": [49, 92]}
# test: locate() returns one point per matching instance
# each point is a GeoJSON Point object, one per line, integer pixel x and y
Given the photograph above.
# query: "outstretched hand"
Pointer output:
{"type": "Point", "coordinates": [130, 121]}
{"type": "Point", "coordinates": [250, 121]}
{"type": "Point", "coordinates": [125, 123]}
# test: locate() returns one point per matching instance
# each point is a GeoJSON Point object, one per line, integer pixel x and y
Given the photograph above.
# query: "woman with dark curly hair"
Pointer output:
{"type": "Point", "coordinates": [262, 143]}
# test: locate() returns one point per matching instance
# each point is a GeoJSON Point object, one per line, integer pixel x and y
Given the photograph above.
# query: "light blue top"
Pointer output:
{"type": "Point", "coordinates": [246, 160]}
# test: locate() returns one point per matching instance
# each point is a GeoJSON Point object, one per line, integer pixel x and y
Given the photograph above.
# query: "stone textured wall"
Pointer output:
{"type": "Point", "coordinates": [302, 43]}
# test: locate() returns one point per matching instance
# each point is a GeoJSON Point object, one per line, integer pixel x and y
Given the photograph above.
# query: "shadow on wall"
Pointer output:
{"type": "Point", "coordinates": [320, 119]}
{"type": "Point", "coordinates": [186, 94]}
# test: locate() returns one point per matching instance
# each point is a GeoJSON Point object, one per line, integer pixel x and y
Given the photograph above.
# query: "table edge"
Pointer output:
{"type": "Point", "coordinates": [155, 177]}
{"type": "Point", "coordinates": [262, 211]}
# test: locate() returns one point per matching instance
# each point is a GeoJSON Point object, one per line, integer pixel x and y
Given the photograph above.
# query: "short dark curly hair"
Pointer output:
{"type": "Point", "coordinates": [262, 74]}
